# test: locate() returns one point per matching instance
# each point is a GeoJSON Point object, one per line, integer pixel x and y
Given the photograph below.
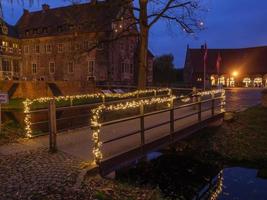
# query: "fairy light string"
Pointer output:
{"type": "Point", "coordinates": [100, 97]}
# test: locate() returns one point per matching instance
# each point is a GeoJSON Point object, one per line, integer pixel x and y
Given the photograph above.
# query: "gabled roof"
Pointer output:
{"type": "Point", "coordinates": [93, 17]}
{"type": "Point", "coordinates": [245, 60]}
{"type": "Point", "coordinates": [7, 29]}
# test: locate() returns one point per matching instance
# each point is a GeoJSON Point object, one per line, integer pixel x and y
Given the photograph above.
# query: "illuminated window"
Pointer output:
{"type": "Point", "coordinates": [6, 66]}
{"type": "Point", "coordinates": [221, 80]}
{"type": "Point", "coordinates": [52, 67]}
{"type": "Point", "coordinates": [257, 82]}
{"type": "Point", "coordinates": [213, 80]}
{"type": "Point", "coordinates": [247, 81]}
{"type": "Point", "coordinates": [4, 43]}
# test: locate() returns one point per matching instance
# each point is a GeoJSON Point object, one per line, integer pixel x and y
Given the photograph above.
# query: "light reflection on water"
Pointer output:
{"type": "Point", "coordinates": [243, 184]}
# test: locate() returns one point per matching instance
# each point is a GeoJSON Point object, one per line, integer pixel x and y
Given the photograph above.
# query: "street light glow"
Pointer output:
{"type": "Point", "coordinates": [235, 73]}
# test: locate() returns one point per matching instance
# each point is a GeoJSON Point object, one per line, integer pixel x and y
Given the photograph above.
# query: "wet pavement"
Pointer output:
{"type": "Point", "coordinates": [238, 99]}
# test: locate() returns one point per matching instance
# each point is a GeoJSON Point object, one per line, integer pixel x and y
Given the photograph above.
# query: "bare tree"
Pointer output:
{"type": "Point", "coordinates": [183, 14]}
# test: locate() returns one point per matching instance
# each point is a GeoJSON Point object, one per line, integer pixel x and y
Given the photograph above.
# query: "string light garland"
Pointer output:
{"type": "Point", "coordinates": [219, 187]}
{"type": "Point", "coordinates": [96, 96]}
{"type": "Point", "coordinates": [97, 112]}
{"type": "Point", "coordinates": [96, 116]}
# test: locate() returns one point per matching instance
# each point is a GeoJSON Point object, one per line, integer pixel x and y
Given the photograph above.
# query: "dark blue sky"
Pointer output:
{"type": "Point", "coordinates": [229, 24]}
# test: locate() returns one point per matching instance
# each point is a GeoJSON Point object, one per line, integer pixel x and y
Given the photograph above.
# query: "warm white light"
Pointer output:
{"type": "Point", "coordinates": [235, 73]}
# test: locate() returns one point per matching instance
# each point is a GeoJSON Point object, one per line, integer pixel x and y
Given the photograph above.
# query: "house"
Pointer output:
{"type": "Point", "coordinates": [94, 41]}
{"type": "Point", "coordinates": [243, 67]}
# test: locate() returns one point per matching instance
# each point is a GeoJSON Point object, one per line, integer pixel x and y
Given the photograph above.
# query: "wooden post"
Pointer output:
{"type": "Point", "coordinates": [52, 126]}
{"type": "Point", "coordinates": [171, 120]}
{"type": "Point", "coordinates": [212, 104]}
{"type": "Point", "coordinates": [142, 127]}
{"type": "Point", "coordinates": [199, 108]}
{"type": "Point", "coordinates": [194, 96]}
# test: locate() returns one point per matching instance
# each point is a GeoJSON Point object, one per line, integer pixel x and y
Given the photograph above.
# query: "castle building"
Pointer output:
{"type": "Point", "coordinates": [95, 41]}
{"type": "Point", "coordinates": [245, 67]}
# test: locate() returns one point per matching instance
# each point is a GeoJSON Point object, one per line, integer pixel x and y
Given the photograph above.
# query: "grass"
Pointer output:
{"type": "Point", "coordinates": [240, 140]}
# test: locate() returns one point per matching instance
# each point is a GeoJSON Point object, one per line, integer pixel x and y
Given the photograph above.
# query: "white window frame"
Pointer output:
{"type": "Point", "coordinates": [54, 65]}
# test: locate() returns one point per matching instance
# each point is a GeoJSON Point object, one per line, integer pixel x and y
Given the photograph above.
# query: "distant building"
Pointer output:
{"type": "Point", "coordinates": [245, 67]}
{"type": "Point", "coordinates": [73, 43]}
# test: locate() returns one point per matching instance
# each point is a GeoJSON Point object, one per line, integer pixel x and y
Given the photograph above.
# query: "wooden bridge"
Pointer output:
{"type": "Point", "coordinates": [154, 122]}
{"type": "Point", "coordinates": [129, 139]}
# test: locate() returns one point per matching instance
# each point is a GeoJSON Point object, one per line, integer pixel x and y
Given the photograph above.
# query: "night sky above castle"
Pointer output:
{"type": "Point", "coordinates": [229, 24]}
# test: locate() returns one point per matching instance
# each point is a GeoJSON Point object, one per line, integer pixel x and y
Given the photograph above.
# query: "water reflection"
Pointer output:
{"type": "Point", "coordinates": [180, 177]}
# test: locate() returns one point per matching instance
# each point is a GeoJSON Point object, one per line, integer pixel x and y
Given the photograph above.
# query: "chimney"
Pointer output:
{"type": "Point", "coordinates": [93, 2]}
{"type": "Point", "coordinates": [26, 12]}
{"type": "Point", "coordinates": [45, 7]}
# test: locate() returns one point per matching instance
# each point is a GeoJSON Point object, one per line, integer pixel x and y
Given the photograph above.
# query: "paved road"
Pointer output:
{"type": "Point", "coordinates": [238, 99]}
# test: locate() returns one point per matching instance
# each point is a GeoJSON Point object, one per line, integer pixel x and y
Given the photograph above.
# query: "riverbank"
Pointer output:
{"type": "Point", "coordinates": [242, 138]}
{"type": "Point", "coordinates": [181, 172]}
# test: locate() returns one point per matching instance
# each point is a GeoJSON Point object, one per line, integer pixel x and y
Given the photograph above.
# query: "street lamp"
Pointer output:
{"type": "Point", "coordinates": [235, 73]}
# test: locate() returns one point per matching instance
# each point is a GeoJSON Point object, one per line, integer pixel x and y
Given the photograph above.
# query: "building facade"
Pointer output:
{"type": "Point", "coordinates": [83, 42]}
{"type": "Point", "coordinates": [246, 67]}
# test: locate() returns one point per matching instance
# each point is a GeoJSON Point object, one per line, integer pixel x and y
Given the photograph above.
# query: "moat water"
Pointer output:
{"type": "Point", "coordinates": [179, 177]}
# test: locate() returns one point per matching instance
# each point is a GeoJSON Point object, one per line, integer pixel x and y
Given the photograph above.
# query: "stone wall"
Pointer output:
{"type": "Point", "coordinates": [35, 89]}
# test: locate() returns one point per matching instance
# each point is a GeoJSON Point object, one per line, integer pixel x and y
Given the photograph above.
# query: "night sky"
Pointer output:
{"type": "Point", "coordinates": [229, 24]}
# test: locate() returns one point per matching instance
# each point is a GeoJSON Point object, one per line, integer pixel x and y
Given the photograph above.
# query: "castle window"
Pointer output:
{"type": "Point", "coordinates": [71, 67]}
{"type": "Point", "coordinates": [16, 66]}
{"type": "Point", "coordinates": [131, 68]}
{"type": "Point", "coordinates": [45, 30]}
{"type": "Point", "coordinates": [27, 32]}
{"type": "Point", "coordinates": [35, 31]}
{"type": "Point", "coordinates": [60, 29]}
{"type": "Point", "coordinates": [34, 68]}
{"type": "Point", "coordinates": [4, 43]}
{"type": "Point", "coordinates": [91, 67]}
{"type": "Point", "coordinates": [15, 45]}
{"type": "Point", "coordinates": [60, 48]}
{"type": "Point", "coordinates": [26, 49]}
{"type": "Point", "coordinates": [48, 48]}
{"type": "Point", "coordinates": [52, 67]}
{"type": "Point", "coordinates": [37, 48]}
{"type": "Point", "coordinates": [6, 65]}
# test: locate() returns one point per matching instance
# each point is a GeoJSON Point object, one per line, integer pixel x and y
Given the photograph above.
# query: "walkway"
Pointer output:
{"type": "Point", "coordinates": [79, 144]}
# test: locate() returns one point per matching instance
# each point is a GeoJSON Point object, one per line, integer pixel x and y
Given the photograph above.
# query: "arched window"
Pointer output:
{"type": "Point", "coordinates": [247, 81]}
{"type": "Point", "coordinates": [257, 82]}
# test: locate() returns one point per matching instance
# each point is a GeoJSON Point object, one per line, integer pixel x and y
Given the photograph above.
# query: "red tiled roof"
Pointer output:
{"type": "Point", "coordinates": [246, 60]}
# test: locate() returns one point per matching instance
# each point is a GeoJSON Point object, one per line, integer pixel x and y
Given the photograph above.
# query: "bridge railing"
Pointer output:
{"type": "Point", "coordinates": [194, 109]}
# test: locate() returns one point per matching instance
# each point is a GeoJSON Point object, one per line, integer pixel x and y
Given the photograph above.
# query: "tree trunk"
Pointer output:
{"type": "Point", "coordinates": [144, 31]}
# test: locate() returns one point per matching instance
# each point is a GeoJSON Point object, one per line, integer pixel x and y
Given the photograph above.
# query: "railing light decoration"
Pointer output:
{"type": "Point", "coordinates": [28, 102]}
{"type": "Point", "coordinates": [96, 115]}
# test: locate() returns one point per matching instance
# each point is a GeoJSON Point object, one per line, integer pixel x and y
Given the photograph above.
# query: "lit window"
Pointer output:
{"type": "Point", "coordinates": [34, 68]}
{"type": "Point", "coordinates": [91, 67]}
{"type": "Point", "coordinates": [4, 43]}
{"type": "Point", "coordinates": [71, 67]}
{"type": "Point", "coordinates": [51, 67]}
